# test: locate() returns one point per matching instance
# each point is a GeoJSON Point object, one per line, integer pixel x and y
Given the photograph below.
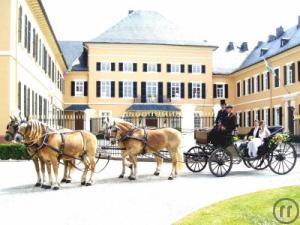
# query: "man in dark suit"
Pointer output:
{"type": "Point", "coordinates": [229, 124]}
{"type": "Point", "coordinates": [222, 113]}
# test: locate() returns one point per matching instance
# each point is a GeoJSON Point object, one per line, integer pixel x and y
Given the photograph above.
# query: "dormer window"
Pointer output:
{"type": "Point", "coordinates": [284, 41]}
{"type": "Point", "coordinates": [263, 51]}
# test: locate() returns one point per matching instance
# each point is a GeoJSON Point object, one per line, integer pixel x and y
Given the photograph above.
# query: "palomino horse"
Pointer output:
{"type": "Point", "coordinates": [139, 141]}
{"type": "Point", "coordinates": [68, 146]}
{"type": "Point", "coordinates": [32, 151]}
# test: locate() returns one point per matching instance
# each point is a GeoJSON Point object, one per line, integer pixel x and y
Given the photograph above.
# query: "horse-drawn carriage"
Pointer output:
{"type": "Point", "coordinates": [280, 157]}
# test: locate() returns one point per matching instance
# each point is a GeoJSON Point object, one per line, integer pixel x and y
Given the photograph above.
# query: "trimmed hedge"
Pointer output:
{"type": "Point", "coordinates": [13, 151]}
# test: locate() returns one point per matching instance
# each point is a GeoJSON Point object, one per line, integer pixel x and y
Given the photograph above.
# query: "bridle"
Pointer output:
{"type": "Point", "coordinates": [15, 127]}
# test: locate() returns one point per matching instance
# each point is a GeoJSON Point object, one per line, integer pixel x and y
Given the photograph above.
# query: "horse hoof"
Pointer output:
{"type": "Point", "coordinates": [156, 173]}
{"type": "Point", "coordinates": [83, 183]}
{"type": "Point", "coordinates": [55, 188]}
{"type": "Point", "coordinates": [46, 186]}
{"type": "Point", "coordinates": [64, 180]}
{"type": "Point", "coordinates": [68, 181]}
{"type": "Point", "coordinates": [88, 184]}
{"type": "Point", "coordinates": [121, 176]}
{"type": "Point", "coordinates": [170, 178]}
{"type": "Point", "coordinates": [131, 178]}
{"type": "Point", "coordinates": [38, 184]}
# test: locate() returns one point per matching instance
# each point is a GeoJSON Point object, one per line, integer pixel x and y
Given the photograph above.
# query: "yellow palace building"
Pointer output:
{"type": "Point", "coordinates": [144, 66]}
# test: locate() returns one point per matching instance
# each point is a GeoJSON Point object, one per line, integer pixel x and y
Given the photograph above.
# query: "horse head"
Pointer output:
{"type": "Point", "coordinates": [11, 129]}
{"type": "Point", "coordinates": [23, 131]}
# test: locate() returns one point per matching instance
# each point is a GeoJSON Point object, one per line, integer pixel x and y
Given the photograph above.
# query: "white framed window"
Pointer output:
{"type": "Point", "coordinates": [256, 112]}
{"type": "Point", "coordinates": [277, 116]}
{"type": "Point", "coordinates": [276, 78]}
{"type": "Point", "coordinates": [238, 89]}
{"type": "Point", "coordinates": [220, 90]}
{"type": "Point", "coordinates": [247, 89]}
{"type": "Point", "coordinates": [289, 74]}
{"type": "Point", "coordinates": [151, 67]}
{"type": "Point", "coordinates": [105, 89]}
{"type": "Point", "coordinates": [175, 68]}
{"type": "Point", "coordinates": [127, 89]}
{"type": "Point", "coordinates": [127, 67]}
{"type": "Point", "coordinates": [197, 90]}
{"type": "Point", "coordinates": [79, 88]}
{"type": "Point", "coordinates": [175, 90]}
{"type": "Point", "coordinates": [197, 120]}
{"type": "Point", "coordinates": [266, 81]}
{"type": "Point", "coordinates": [105, 66]}
{"type": "Point", "coordinates": [247, 118]}
{"type": "Point", "coordinates": [256, 82]}
{"type": "Point", "coordinates": [266, 116]}
{"type": "Point", "coordinates": [104, 115]}
{"type": "Point", "coordinates": [196, 68]}
{"type": "Point", "coordinates": [152, 91]}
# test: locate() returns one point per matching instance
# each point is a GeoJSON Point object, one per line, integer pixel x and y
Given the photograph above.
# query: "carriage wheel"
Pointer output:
{"type": "Point", "coordinates": [220, 162]}
{"type": "Point", "coordinates": [246, 163]}
{"type": "Point", "coordinates": [195, 159]}
{"type": "Point", "coordinates": [208, 149]}
{"type": "Point", "coordinates": [260, 164]}
{"type": "Point", "coordinates": [283, 158]}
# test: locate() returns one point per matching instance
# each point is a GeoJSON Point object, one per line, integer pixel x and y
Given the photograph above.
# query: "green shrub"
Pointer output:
{"type": "Point", "coordinates": [13, 151]}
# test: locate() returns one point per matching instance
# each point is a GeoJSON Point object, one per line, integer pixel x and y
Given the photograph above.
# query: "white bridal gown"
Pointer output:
{"type": "Point", "coordinates": [256, 142]}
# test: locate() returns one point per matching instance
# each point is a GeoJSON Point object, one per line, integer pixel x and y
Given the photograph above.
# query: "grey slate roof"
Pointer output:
{"type": "Point", "coordinates": [273, 47]}
{"type": "Point", "coordinates": [152, 107]}
{"type": "Point", "coordinates": [148, 27]}
{"type": "Point", "coordinates": [77, 107]}
{"type": "Point", "coordinates": [74, 54]}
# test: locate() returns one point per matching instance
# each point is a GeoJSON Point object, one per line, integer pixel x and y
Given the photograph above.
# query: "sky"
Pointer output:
{"type": "Point", "coordinates": [217, 21]}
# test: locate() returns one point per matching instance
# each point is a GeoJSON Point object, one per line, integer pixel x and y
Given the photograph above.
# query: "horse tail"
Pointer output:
{"type": "Point", "coordinates": [179, 158]}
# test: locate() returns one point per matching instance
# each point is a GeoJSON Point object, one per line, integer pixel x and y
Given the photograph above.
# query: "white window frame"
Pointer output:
{"type": "Point", "coordinates": [276, 116]}
{"type": "Point", "coordinates": [223, 91]}
{"type": "Point", "coordinates": [127, 91]}
{"type": "Point", "coordinates": [255, 114]}
{"type": "Point", "coordinates": [247, 118]}
{"type": "Point", "coordinates": [152, 68]}
{"type": "Point", "coordinates": [247, 91]}
{"type": "Point", "coordinates": [266, 116]}
{"type": "Point", "coordinates": [195, 86]}
{"type": "Point", "coordinates": [176, 85]}
{"type": "Point", "coordinates": [151, 85]}
{"type": "Point", "coordinates": [289, 75]}
{"type": "Point", "coordinates": [238, 117]}
{"type": "Point", "coordinates": [79, 83]}
{"type": "Point", "coordinates": [196, 68]}
{"type": "Point", "coordinates": [265, 77]}
{"type": "Point", "coordinates": [104, 93]}
{"type": "Point", "coordinates": [199, 121]}
{"type": "Point", "coordinates": [175, 68]}
{"type": "Point", "coordinates": [239, 82]}
{"type": "Point", "coordinates": [256, 80]}
{"type": "Point", "coordinates": [276, 68]}
{"type": "Point", "coordinates": [127, 67]}
{"type": "Point", "coordinates": [105, 66]}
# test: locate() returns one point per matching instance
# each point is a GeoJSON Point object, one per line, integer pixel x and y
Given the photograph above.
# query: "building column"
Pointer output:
{"type": "Point", "coordinates": [88, 114]}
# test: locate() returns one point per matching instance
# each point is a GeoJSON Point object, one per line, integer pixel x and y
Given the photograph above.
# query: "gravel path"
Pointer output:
{"type": "Point", "coordinates": [149, 200]}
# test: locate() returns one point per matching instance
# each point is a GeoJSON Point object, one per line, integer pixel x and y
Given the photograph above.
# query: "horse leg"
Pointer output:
{"type": "Point", "coordinates": [174, 165]}
{"type": "Point", "coordinates": [37, 169]}
{"type": "Point", "coordinates": [54, 163]}
{"type": "Point", "coordinates": [48, 166]}
{"type": "Point", "coordinates": [124, 155]}
{"type": "Point", "coordinates": [43, 171]}
{"type": "Point", "coordinates": [133, 159]}
{"type": "Point", "coordinates": [92, 170]}
{"type": "Point", "coordinates": [86, 167]}
{"type": "Point", "coordinates": [70, 168]}
{"type": "Point", "coordinates": [159, 161]}
{"type": "Point", "coordinates": [64, 180]}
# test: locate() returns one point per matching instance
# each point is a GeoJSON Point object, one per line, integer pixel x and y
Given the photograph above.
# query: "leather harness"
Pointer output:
{"type": "Point", "coordinates": [129, 135]}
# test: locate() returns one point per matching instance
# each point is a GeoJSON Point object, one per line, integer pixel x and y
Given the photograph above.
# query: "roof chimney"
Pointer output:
{"type": "Point", "coordinates": [259, 43]}
{"type": "Point", "coordinates": [230, 46]}
{"type": "Point", "coordinates": [279, 31]}
{"type": "Point", "coordinates": [298, 25]}
{"type": "Point", "coordinates": [271, 38]}
{"type": "Point", "coordinates": [244, 47]}
{"type": "Point", "coordinates": [130, 11]}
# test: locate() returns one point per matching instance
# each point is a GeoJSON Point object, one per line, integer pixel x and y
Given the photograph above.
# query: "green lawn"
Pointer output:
{"type": "Point", "coordinates": [251, 209]}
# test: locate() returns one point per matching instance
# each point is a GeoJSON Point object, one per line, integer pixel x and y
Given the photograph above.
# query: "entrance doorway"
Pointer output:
{"type": "Point", "coordinates": [79, 120]}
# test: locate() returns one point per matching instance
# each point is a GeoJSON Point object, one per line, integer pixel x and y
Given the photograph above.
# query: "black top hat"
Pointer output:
{"type": "Point", "coordinates": [222, 102]}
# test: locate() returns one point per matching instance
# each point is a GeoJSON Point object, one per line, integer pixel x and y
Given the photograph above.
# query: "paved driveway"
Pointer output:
{"type": "Point", "coordinates": [149, 200]}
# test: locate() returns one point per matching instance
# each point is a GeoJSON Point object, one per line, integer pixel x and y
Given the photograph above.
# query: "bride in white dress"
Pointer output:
{"type": "Point", "coordinates": [258, 141]}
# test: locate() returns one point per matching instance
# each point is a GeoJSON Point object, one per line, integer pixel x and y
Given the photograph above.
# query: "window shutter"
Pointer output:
{"type": "Point", "coordinates": [215, 91]}
{"type": "Point", "coordinates": [273, 116]}
{"type": "Point", "coordinates": [285, 75]}
{"type": "Point", "coordinates": [262, 114]}
{"type": "Point", "coordinates": [121, 67]}
{"type": "Point", "coordinates": [144, 67]}
{"type": "Point", "coordinates": [134, 89]}
{"type": "Point", "coordinates": [258, 115]}
{"type": "Point", "coordinates": [258, 84]}
{"type": "Point", "coordinates": [190, 90]}
{"type": "Point", "coordinates": [203, 90]}
{"type": "Point", "coordinates": [182, 89]}
{"type": "Point", "coordinates": [269, 116]}
{"type": "Point", "coordinates": [262, 81]}
{"type": "Point", "coordinates": [190, 69]}
{"type": "Point", "coordinates": [280, 116]}
{"type": "Point", "coordinates": [158, 67]}
{"type": "Point", "coordinates": [168, 68]}
{"type": "Point", "coordinates": [253, 112]}
{"type": "Point", "coordinates": [113, 66]}
{"type": "Point", "coordinates": [120, 89]}
{"type": "Point", "coordinates": [241, 119]}
{"type": "Point", "coordinates": [238, 89]}
{"type": "Point", "coordinates": [252, 83]}
{"type": "Point", "coordinates": [160, 92]}
{"type": "Point", "coordinates": [98, 89]}
{"type": "Point", "coordinates": [268, 80]}
{"type": "Point", "coordinates": [72, 88]}
{"type": "Point", "coordinates": [249, 121]}
{"type": "Point", "coordinates": [85, 91]}
{"type": "Point", "coordinates": [203, 69]}
{"type": "Point", "coordinates": [298, 70]}
{"type": "Point", "coordinates": [25, 32]}
{"type": "Point", "coordinates": [143, 92]}
{"type": "Point", "coordinates": [249, 86]}
{"type": "Point", "coordinates": [244, 87]}
{"type": "Point", "coordinates": [19, 95]}
{"type": "Point", "coordinates": [168, 89]}
{"type": "Point", "coordinates": [182, 68]}
{"type": "Point", "coordinates": [112, 89]}
{"type": "Point", "coordinates": [293, 73]}
{"type": "Point", "coordinates": [134, 67]}
{"type": "Point", "coordinates": [20, 25]}
{"type": "Point", "coordinates": [244, 117]}
{"type": "Point", "coordinates": [226, 90]}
